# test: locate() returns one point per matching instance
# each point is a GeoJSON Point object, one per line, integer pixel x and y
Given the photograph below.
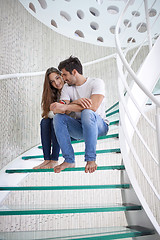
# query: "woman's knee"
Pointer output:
{"type": "Point", "coordinates": [45, 121]}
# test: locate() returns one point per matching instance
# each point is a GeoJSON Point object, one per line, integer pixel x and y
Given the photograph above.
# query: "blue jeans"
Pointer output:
{"type": "Point", "coordinates": [48, 138]}
{"type": "Point", "coordinates": [89, 128]}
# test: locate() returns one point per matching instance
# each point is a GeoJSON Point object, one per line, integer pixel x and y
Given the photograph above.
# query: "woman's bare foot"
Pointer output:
{"type": "Point", "coordinates": [51, 164]}
{"type": "Point", "coordinates": [63, 166]}
{"type": "Point", "coordinates": [42, 164]}
{"type": "Point", "coordinates": [90, 167]}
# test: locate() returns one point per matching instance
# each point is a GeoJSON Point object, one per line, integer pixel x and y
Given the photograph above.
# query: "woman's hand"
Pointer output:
{"type": "Point", "coordinates": [58, 108]}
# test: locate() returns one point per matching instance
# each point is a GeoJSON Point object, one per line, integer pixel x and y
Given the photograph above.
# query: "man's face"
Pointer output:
{"type": "Point", "coordinates": [70, 79]}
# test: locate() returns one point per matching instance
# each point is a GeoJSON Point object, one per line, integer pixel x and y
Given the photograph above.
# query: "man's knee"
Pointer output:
{"type": "Point", "coordinates": [88, 115]}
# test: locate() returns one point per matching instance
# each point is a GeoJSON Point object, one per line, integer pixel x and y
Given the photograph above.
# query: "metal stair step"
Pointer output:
{"type": "Point", "coordinates": [79, 187]}
{"type": "Point", "coordinates": [64, 209]}
{"type": "Point", "coordinates": [113, 167]}
{"type": "Point", "coordinates": [106, 233]}
{"type": "Point", "coordinates": [116, 150]}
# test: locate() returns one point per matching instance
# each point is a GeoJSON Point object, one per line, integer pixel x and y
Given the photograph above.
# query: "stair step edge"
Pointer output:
{"type": "Point", "coordinates": [90, 233]}
{"type": "Point", "coordinates": [114, 150]}
{"type": "Point", "coordinates": [77, 187]}
{"type": "Point", "coordinates": [67, 210]}
{"type": "Point", "coordinates": [99, 168]}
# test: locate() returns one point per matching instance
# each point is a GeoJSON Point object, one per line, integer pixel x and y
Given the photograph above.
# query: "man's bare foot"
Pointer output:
{"type": "Point", "coordinates": [51, 164]}
{"type": "Point", "coordinates": [90, 167]}
{"type": "Point", "coordinates": [63, 166]}
{"type": "Point", "coordinates": [42, 164]}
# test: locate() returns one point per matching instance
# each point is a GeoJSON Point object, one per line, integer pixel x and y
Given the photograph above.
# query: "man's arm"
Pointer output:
{"type": "Point", "coordinates": [78, 105]}
{"type": "Point", "coordinates": [92, 103]}
{"type": "Point", "coordinates": [96, 101]}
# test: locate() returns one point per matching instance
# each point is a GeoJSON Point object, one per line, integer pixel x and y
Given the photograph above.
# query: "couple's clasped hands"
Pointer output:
{"type": "Point", "coordinates": [63, 108]}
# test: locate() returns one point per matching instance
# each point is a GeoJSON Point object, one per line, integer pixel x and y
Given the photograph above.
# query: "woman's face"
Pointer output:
{"type": "Point", "coordinates": [56, 80]}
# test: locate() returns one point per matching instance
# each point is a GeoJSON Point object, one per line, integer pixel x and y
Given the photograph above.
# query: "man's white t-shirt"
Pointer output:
{"type": "Point", "coordinates": [86, 90]}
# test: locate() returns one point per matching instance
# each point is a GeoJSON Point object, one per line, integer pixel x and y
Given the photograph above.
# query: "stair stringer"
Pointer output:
{"type": "Point", "coordinates": [134, 195]}
{"type": "Point", "coordinates": [135, 218]}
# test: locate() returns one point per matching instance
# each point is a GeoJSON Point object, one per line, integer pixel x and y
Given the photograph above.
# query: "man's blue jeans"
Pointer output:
{"type": "Point", "coordinates": [48, 137]}
{"type": "Point", "coordinates": [89, 127]}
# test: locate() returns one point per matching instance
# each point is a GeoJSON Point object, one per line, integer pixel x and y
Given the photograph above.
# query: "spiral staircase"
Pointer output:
{"type": "Point", "coordinates": [132, 142]}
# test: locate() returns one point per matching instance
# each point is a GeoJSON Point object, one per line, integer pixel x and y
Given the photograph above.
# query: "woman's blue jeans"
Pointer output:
{"type": "Point", "coordinates": [89, 128]}
{"type": "Point", "coordinates": [50, 145]}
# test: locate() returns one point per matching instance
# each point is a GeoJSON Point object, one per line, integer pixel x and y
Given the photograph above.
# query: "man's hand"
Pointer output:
{"type": "Point", "coordinates": [83, 102]}
{"type": "Point", "coordinates": [58, 108]}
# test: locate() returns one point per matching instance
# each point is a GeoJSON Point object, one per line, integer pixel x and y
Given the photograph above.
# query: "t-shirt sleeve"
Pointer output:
{"type": "Point", "coordinates": [98, 87]}
{"type": "Point", "coordinates": [65, 93]}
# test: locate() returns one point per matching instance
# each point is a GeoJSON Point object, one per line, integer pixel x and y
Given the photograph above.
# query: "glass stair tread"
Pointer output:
{"type": "Point", "coordinates": [99, 168]}
{"type": "Point", "coordinates": [79, 187]}
{"type": "Point", "coordinates": [116, 105]}
{"type": "Point", "coordinates": [114, 150]}
{"type": "Point", "coordinates": [87, 233]}
{"type": "Point", "coordinates": [112, 113]}
{"type": "Point", "coordinates": [64, 209]}
{"type": "Point", "coordinates": [115, 122]}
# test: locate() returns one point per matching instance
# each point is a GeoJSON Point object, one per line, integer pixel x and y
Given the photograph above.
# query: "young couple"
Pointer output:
{"type": "Point", "coordinates": [81, 117]}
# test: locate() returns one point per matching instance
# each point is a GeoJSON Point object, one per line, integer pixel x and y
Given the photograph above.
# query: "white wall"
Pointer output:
{"type": "Point", "coordinates": [29, 46]}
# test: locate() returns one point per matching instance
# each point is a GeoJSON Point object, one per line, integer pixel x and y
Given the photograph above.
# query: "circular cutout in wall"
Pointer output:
{"type": "Point", "coordinates": [152, 12]}
{"type": "Point", "coordinates": [65, 15]}
{"type": "Point", "coordinates": [32, 7]}
{"type": "Point", "coordinates": [100, 39]}
{"type": "Point", "coordinates": [43, 3]}
{"type": "Point", "coordinates": [80, 14]}
{"type": "Point", "coordinates": [53, 23]}
{"type": "Point", "coordinates": [94, 11]}
{"type": "Point", "coordinates": [94, 25]}
{"type": "Point", "coordinates": [127, 23]}
{"type": "Point", "coordinates": [113, 9]}
{"type": "Point", "coordinates": [136, 13]}
{"type": "Point", "coordinates": [131, 40]}
{"type": "Point", "coordinates": [113, 28]}
{"type": "Point", "coordinates": [142, 27]}
{"type": "Point", "coordinates": [79, 33]}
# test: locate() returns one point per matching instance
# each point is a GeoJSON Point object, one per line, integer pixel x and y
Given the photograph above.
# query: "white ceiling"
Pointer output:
{"type": "Point", "coordinates": [94, 21]}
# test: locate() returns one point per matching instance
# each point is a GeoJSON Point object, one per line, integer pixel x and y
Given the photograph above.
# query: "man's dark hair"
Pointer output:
{"type": "Point", "coordinates": [70, 64]}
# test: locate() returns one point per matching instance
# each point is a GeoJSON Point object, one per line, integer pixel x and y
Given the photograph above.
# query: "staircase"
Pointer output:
{"type": "Point", "coordinates": [121, 199]}
{"type": "Point", "coordinates": [92, 201]}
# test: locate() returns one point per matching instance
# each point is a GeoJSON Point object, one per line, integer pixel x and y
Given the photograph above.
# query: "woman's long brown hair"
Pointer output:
{"type": "Point", "coordinates": [50, 94]}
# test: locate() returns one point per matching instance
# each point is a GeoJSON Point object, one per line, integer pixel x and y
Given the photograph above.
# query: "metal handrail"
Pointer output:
{"type": "Point", "coordinates": [127, 66]}
{"type": "Point", "coordinates": [133, 124]}
{"type": "Point", "coordinates": [31, 74]}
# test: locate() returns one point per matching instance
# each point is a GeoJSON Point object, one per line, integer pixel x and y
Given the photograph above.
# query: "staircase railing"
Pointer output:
{"type": "Point", "coordinates": [139, 131]}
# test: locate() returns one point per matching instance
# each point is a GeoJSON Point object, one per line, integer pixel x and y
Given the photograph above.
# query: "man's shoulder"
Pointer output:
{"type": "Point", "coordinates": [94, 80]}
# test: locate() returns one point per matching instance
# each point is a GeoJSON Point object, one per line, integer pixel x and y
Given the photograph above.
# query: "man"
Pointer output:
{"type": "Point", "coordinates": [85, 98]}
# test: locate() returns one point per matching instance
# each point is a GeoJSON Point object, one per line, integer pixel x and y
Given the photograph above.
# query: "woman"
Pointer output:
{"type": "Point", "coordinates": [53, 84]}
